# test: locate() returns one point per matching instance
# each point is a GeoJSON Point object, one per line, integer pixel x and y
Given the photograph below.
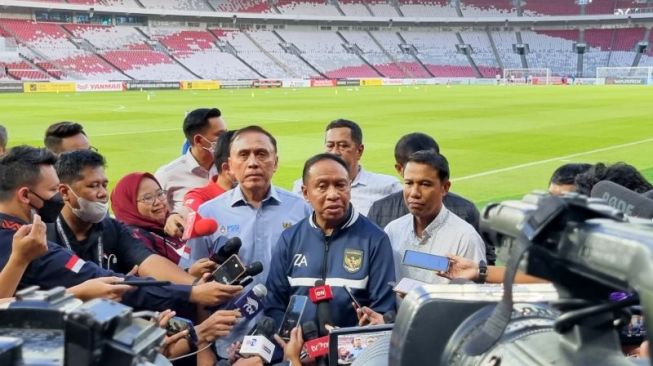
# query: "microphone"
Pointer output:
{"type": "Point", "coordinates": [257, 342]}
{"type": "Point", "coordinates": [251, 271]}
{"type": "Point", "coordinates": [623, 199]}
{"type": "Point", "coordinates": [196, 226]}
{"type": "Point", "coordinates": [320, 294]}
{"type": "Point", "coordinates": [249, 304]}
{"type": "Point", "coordinates": [230, 247]}
{"type": "Point", "coordinates": [316, 347]}
{"type": "Point", "coordinates": [264, 326]}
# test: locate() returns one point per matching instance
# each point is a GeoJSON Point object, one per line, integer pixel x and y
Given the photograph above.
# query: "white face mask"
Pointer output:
{"type": "Point", "coordinates": [90, 211]}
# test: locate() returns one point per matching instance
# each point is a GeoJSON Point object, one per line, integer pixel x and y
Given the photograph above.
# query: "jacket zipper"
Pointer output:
{"type": "Point", "coordinates": [326, 257]}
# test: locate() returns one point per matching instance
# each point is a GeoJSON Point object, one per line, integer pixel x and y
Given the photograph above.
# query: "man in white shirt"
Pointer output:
{"type": "Point", "coordinates": [345, 139]}
{"type": "Point", "coordinates": [430, 227]}
{"type": "Point", "coordinates": [195, 168]}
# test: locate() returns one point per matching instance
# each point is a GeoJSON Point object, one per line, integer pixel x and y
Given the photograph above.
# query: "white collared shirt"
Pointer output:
{"type": "Point", "coordinates": [181, 175]}
{"type": "Point", "coordinates": [366, 189]}
{"type": "Point", "coordinates": [446, 234]}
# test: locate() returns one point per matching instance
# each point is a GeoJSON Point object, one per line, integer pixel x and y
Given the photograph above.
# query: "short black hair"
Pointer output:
{"type": "Point", "coordinates": [198, 120]}
{"type": "Point", "coordinates": [354, 128]}
{"type": "Point", "coordinates": [566, 174]}
{"type": "Point", "coordinates": [257, 129]}
{"type": "Point", "coordinates": [434, 160]}
{"type": "Point", "coordinates": [319, 157]}
{"type": "Point", "coordinates": [221, 153]}
{"type": "Point", "coordinates": [3, 136]}
{"type": "Point", "coordinates": [414, 142]}
{"type": "Point", "coordinates": [71, 164]}
{"type": "Point", "coordinates": [20, 167]}
{"type": "Point", "coordinates": [621, 173]}
{"type": "Point", "coordinates": [59, 131]}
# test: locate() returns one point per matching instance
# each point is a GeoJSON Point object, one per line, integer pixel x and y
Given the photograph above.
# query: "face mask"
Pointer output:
{"type": "Point", "coordinates": [211, 147]}
{"type": "Point", "coordinates": [51, 207]}
{"type": "Point", "coordinates": [89, 211]}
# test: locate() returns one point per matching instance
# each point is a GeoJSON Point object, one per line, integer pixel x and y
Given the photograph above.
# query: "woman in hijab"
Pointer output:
{"type": "Point", "coordinates": [139, 201]}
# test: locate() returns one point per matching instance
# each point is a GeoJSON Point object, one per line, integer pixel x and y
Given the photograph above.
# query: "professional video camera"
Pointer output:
{"type": "Point", "coordinates": [587, 249]}
{"type": "Point", "coordinates": [53, 328]}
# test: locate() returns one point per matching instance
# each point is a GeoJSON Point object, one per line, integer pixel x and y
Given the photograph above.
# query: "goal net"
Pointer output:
{"type": "Point", "coordinates": [535, 76]}
{"type": "Point", "coordinates": [624, 75]}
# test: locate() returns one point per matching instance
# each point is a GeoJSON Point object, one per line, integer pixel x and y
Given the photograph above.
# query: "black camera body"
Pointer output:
{"type": "Point", "coordinates": [585, 248]}
{"type": "Point", "coordinates": [53, 328]}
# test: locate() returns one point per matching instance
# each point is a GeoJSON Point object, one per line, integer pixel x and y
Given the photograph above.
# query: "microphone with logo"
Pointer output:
{"type": "Point", "coordinates": [320, 295]}
{"type": "Point", "coordinates": [317, 348]}
{"type": "Point", "coordinates": [623, 199]}
{"type": "Point", "coordinates": [197, 226]}
{"type": "Point", "coordinates": [257, 342]}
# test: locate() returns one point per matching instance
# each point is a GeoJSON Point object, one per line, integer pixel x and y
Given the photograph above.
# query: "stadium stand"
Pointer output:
{"type": "Point", "coordinates": [171, 50]}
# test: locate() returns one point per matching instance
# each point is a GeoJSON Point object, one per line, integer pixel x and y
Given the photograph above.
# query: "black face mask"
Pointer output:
{"type": "Point", "coordinates": [51, 207]}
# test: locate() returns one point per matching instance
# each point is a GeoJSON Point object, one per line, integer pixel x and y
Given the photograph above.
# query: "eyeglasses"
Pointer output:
{"type": "Point", "coordinates": [150, 198]}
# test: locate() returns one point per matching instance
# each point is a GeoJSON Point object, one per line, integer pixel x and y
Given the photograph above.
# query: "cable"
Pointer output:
{"type": "Point", "coordinates": [190, 354]}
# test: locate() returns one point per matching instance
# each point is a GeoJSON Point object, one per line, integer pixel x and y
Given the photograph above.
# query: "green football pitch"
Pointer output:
{"type": "Point", "coordinates": [501, 142]}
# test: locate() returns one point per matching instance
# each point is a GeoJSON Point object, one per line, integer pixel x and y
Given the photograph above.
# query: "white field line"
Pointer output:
{"type": "Point", "coordinates": [545, 161]}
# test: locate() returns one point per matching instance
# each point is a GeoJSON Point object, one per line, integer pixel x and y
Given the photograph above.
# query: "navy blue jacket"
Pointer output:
{"type": "Point", "coordinates": [358, 255]}
{"type": "Point", "coordinates": [51, 270]}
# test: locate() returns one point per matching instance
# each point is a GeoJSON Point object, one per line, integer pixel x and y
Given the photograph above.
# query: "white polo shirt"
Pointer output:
{"type": "Point", "coordinates": [366, 188]}
{"type": "Point", "coordinates": [446, 234]}
{"type": "Point", "coordinates": [181, 175]}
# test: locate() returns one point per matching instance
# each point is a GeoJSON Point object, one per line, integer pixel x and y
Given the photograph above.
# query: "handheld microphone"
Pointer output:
{"type": "Point", "coordinates": [264, 326]}
{"type": "Point", "coordinates": [623, 199]}
{"type": "Point", "coordinates": [251, 271]}
{"type": "Point", "coordinates": [196, 226]}
{"type": "Point", "coordinates": [316, 347]}
{"type": "Point", "coordinates": [320, 294]}
{"type": "Point", "coordinates": [249, 304]}
{"type": "Point", "coordinates": [257, 342]}
{"type": "Point", "coordinates": [230, 247]}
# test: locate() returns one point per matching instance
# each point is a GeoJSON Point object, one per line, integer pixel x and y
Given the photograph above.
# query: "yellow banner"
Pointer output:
{"type": "Point", "coordinates": [200, 85]}
{"type": "Point", "coordinates": [49, 87]}
{"type": "Point", "coordinates": [371, 82]}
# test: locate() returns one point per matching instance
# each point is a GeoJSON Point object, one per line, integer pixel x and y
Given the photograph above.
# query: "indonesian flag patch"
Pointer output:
{"type": "Point", "coordinates": [75, 264]}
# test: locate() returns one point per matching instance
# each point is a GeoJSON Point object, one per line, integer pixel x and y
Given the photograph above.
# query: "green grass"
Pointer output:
{"type": "Point", "coordinates": [528, 131]}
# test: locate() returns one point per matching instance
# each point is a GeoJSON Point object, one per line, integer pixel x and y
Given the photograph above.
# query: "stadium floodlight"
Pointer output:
{"type": "Point", "coordinates": [624, 75]}
{"type": "Point", "coordinates": [535, 76]}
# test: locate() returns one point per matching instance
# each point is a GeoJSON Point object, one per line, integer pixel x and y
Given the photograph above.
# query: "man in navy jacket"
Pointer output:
{"type": "Point", "coordinates": [335, 244]}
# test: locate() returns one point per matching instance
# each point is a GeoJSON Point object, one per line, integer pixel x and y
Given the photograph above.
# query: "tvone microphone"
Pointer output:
{"type": "Point", "coordinates": [623, 199]}
{"type": "Point", "coordinates": [230, 247]}
{"type": "Point", "coordinates": [197, 226]}
{"type": "Point", "coordinates": [249, 304]}
{"type": "Point", "coordinates": [321, 294]}
{"type": "Point", "coordinates": [316, 347]}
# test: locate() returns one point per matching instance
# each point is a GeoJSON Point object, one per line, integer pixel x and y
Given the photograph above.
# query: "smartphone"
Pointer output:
{"type": "Point", "coordinates": [230, 271]}
{"type": "Point", "coordinates": [406, 285]}
{"type": "Point", "coordinates": [351, 296]}
{"type": "Point", "coordinates": [426, 261]}
{"type": "Point", "coordinates": [178, 324]}
{"type": "Point", "coordinates": [293, 315]}
{"type": "Point", "coordinates": [141, 283]}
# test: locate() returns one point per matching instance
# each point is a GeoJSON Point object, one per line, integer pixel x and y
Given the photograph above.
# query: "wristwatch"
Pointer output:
{"type": "Point", "coordinates": [482, 272]}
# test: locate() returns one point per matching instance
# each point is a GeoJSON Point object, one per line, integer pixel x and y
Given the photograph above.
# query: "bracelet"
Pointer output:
{"type": "Point", "coordinates": [482, 272]}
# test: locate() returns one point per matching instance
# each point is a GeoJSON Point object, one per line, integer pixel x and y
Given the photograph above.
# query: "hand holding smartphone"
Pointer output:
{"type": "Point", "coordinates": [230, 271]}
{"type": "Point", "coordinates": [428, 261]}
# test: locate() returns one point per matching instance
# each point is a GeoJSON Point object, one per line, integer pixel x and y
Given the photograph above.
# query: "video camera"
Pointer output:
{"type": "Point", "coordinates": [53, 328]}
{"type": "Point", "coordinates": [585, 248]}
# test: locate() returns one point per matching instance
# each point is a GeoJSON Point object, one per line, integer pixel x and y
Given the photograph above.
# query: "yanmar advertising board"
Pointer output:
{"type": "Point", "coordinates": [112, 86]}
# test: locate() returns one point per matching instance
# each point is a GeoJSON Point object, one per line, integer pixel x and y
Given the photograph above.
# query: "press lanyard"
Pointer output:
{"type": "Point", "coordinates": [66, 242]}
{"type": "Point", "coordinates": [179, 250]}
